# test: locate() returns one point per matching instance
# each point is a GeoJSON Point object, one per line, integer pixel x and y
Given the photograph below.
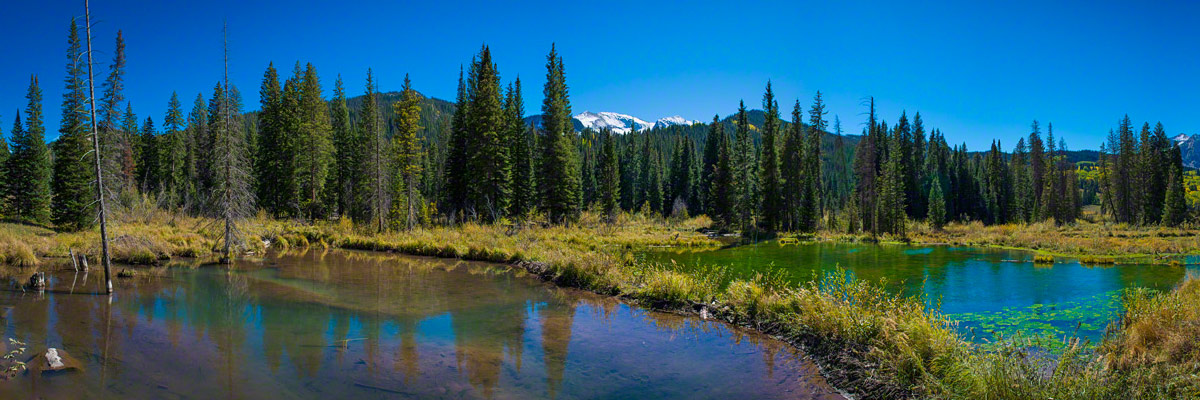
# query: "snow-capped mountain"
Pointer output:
{"type": "Point", "coordinates": [1189, 148]}
{"type": "Point", "coordinates": [619, 123]}
{"type": "Point", "coordinates": [672, 121]}
{"type": "Point", "coordinates": [1182, 137]}
{"type": "Point", "coordinates": [624, 123]}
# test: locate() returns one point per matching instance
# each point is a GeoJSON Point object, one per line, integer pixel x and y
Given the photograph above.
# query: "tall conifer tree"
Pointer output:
{"type": "Point", "coordinates": [559, 181]}
{"type": "Point", "coordinates": [72, 185]}
{"type": "Point", "coordinates": [27, 172]}
{"type": "Point", "coordinates": [769, 181]}
{"type": "Point", "coordinates": [407, 147]}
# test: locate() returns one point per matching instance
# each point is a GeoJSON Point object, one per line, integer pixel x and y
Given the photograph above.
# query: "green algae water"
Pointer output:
{"type": "Point", "coordinates": [339, 324]}
{"type": "Point", "coordinates": [993, 293]}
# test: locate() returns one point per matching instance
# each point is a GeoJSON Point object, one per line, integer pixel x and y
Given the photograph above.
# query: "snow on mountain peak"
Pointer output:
{"type": "Point", "coordinates": [624, 123]}
{"type": "Point", "coordinates": [674, 120]}
{"type": "Point", "coordinates": [1182, 137]}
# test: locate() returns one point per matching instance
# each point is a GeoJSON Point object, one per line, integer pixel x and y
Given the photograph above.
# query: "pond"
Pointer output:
{"type": "Point", "coordinates": [341, 324]}
{"type": "Point", "coordinates": [989, 291]}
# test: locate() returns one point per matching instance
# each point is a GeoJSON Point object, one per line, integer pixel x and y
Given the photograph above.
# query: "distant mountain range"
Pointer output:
{"type": "Point", "coordinates": [1190, 147]}
{"type": "Point", "coordinates": [617, 122]}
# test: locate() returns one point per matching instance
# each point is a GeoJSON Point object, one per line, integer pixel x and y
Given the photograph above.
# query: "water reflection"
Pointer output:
{"type": "Point", "coordinates": [350, 324]}
{"type": "Point", "coordinates": [990, 291]}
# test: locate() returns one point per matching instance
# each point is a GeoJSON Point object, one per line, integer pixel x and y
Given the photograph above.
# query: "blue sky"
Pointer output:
{"type": "Point", "coordinates": [977, 71]}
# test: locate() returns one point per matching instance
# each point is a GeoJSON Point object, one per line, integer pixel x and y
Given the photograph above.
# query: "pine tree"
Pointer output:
{"type": "Point", "coordinates": [1022, 187]}
{"type": "Point", "coordinates": [769, 181]}
{"type": "Point", "coordinates": [27, 172]}
{"type": "Point", "coordinates": [1175, 205]}
{"type": "Point", "coordinates": [745, 170]}
{"type": "Point", "coordinates": [812, 166]}
{"type": "Point", "coordinates": [521, 143]}
{"type": "Point", "coordinates": [377, 166]}
{"type": "Point", "coordinates": [457, 177]}
{"type": "Point", "coordinates": [1037, 167]}
{"type": "Point", "coordinates": [866, 170]}
{"type": "Point", "coordinates": [197, 129]}
{"type": "Point", "coordinates": [312, 163]}
{"type": "Point", "coordinates": [937, 205]}
{"type": "Point", "coordinates": [116, 144]}
{"type": "Point", "coordinates": [1124, 173]}
{"type": "Point", "coordinates": [792, 168]}
{"type": "Point", "coordinates": [653, 204]}
{"type": "Point", "coordinates": [559, 183]}
{"type": "Point", "coordinates": [348, 153]}
{"type": "Point", "coordinates": [4, 154]}
{"type": "Point", "coordinates": [631, 167]}
{"type": "Point", "coordinates": [1155, 167]}
{"type": "Point", "coordinates": [487, 143]}
{"type": "Point", "coordinates": [890, 212]}
{"type": "Point", "coordinates": [71, 204]}
{"type": "Point", "coordinates": [917, 203]}
{"type": "Point", "coordinates": [610, 178]}
{"type": "Point", "coordinates": [174, 152]}
{"type": "Point", "coordinates": [723, 192]}
{"type": "Point", "coordinates": [275, 148]}
{"type": "Point", "coordinates": [407, 147]}
{"type": "Point", "coordinates": [708, 163]}
{"type": "Point", "coordinates": [148, 163]}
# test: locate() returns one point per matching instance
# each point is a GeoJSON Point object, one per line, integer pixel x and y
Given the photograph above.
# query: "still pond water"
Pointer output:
{"type": "Point", "coordinates": [989, 291]}
{"type": "Point", "coordinates": [344, 324]}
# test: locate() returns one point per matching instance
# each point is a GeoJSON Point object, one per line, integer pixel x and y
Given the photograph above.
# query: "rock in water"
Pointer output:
{"type": "Point", "coordinates": [55, 362]}
{"type": "Point", "coordinates": [37, 281]}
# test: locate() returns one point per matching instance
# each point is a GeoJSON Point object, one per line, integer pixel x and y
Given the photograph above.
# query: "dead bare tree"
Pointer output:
{"type": "Point", "coordinates": [232, 200]}
{"type": "Point", "coordinates": [104, 256]}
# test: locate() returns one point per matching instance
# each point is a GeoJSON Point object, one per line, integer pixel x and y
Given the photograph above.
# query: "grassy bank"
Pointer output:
{"type": "Point", "coordinates": [1089, 242]}
{"type": "Point", "coordinates": [869, 342]}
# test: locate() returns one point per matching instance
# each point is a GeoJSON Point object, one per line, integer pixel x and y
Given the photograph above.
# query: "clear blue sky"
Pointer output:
{"type": "Point", "coordinates": [977, 71]}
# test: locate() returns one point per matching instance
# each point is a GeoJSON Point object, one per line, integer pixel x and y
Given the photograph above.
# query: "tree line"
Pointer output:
{"type": "Point", "coordinates": [398, 162]}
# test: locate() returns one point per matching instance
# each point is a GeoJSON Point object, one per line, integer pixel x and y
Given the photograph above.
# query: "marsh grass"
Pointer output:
{"type": "Point", "coordinates": [869, 341]}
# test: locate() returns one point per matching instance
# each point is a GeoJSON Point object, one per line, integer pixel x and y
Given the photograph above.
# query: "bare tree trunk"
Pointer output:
{"type": "Point", "coordinates": [104, 257]}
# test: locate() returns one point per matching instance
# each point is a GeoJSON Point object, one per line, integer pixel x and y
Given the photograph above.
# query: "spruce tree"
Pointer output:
{"type": "Point", "coordinates": [71, 204]}
{"type": "Point", "coordinates": [610, 178]}
{"type": "Point", "coordinates": [314, 144]}
{"type": "Point", "coordinates": [723, 191]}
{"type": "Point", "coordinates": [27, 172]}
{"type": "Point", "coordinates": [812, 165]}
{"type": "Point", "coordinates": [559, 183]}
{"type": "Point", "coordinates": [937, 205]}
{"type": "Point", "coordinates": [1175, 205]}
{"type": "Point", "coordinates": [521, 144]}
{"type": "Point", "coordinates": [708, 163]}
{"type": "Point", "coordinates": [744, 167]}
{"type": "Point", "coordinates": [275, 149]}
{"type": "Point", "coordinates": [116, 144]}
{"type": "Point", "coordinates": [631, 167]}
{"type": "Point", "coordinates": [148, 171]}
{"type": "Point", "coordinates": [792, 168]}
{"type": "Point", "coordinates": [866, 170]}
{"type": "Point", "coordinates": [377, 166]}
{"type": "Point", "coordinates": [890, 212]}
{"type": "Point", "coordinates": [1155, 164]}
{"type": "Point", "coordinates": [174, 151]}
{"type": "Point", "coordinates": [771, 207]}
{"type": "Point", "coordinates": [1037, 167]}
{"type": "Point", "coordinates": [4, 154]}
{"type": "Point", "coordinates": [408, 152]}
{"type": "Point", "coordinates": [347, 150]}
{"type": "Point", "coordinates": [487, 143]}
{"type": "Point", "coordinates": [457, 173]}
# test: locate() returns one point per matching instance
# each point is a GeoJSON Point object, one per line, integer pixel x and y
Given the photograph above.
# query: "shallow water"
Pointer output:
{"type": "Point", "coordinates": [343, 324]}
{"type": "Point", "coordinates": [989, 291]}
